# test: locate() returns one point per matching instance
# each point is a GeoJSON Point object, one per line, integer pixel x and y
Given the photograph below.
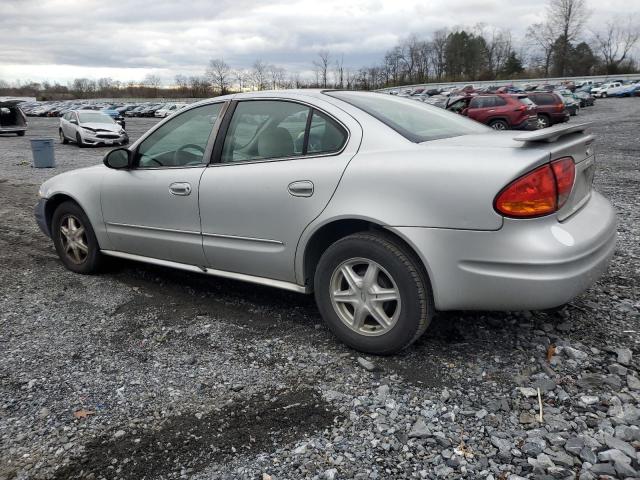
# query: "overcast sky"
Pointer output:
{"type": "Point", "coordinates": [59, 40]}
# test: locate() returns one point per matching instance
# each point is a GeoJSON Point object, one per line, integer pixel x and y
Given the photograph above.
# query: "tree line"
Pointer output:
{"type": "Point", "coordinates": [559, 46]}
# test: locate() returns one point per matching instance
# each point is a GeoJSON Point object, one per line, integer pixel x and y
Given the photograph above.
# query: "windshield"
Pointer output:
{"type": "Point", "coordinates": [94, 117]}
{"type": "Point", "coordinates": [413, 120]}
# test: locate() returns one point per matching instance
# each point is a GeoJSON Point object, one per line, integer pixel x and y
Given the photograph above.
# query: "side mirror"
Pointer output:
{"type": "Point", "coordinates": [74, 121]}
{"type": "Point", "coordinates": [118, 159]}
{"type": "Point", "coordinates": [465, 111]}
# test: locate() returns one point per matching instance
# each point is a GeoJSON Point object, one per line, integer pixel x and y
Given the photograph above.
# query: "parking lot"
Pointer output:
{"type": "Point", "coordinates": [146, 372]}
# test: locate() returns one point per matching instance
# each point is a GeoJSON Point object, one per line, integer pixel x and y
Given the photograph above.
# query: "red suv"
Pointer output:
{"type": "Point", "coordinates": [551, 108]}
{"type": "Point", "coordinates": [500, 111]}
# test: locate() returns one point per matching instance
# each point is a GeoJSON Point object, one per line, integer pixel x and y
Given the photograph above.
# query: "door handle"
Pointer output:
{"type": "Point", "coordinates": [301, 188]}
{"type": "Point", "coordinates": [180, 188]}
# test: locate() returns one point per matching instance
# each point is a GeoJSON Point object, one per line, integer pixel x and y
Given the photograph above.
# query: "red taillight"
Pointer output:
{"type": "Point", "coordinates": [560, 107]}
{"type": "Point", "coordinates": [539, 192]}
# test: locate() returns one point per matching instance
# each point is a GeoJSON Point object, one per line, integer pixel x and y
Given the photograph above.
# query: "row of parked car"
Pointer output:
{"type": "Point", "coordinates": [519, 107]}
{"type": "Point", "coordinates": [118, 111]}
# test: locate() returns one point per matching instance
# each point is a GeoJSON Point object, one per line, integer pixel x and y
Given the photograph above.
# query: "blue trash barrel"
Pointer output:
{"type": "Point", "coordinates": [42, 149]}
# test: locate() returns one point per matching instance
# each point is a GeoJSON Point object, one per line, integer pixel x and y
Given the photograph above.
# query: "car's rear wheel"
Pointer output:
{"type": "Point", "coordinates": [63, 139]}
{"type": "Point", "coordinates": [543, 121]}
{"type": "Point", "coordinates": [373, 293]}
{"type": "Point", "coordinates": [499, 125]}
{"type": "Point", "coordinates": [74, 239]}
{"type": "Point", "coordinates": [79, 140]}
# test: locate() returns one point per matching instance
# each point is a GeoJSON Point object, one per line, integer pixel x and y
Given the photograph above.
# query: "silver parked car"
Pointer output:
{"type": "Point", "coordinates": [386, 208]}
{"type": "Point", "coordinates": [88, 127]}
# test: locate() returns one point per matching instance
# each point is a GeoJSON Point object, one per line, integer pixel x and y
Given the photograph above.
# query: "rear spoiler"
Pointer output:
{"type": "Point", "coordinates": [552, 134]}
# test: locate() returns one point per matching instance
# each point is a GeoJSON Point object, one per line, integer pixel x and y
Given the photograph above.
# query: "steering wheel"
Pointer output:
{"type": "Point", "coordinates": [176, 154]}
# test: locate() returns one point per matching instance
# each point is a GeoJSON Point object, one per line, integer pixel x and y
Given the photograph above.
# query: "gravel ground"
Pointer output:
{"type": "Point", "coordinates": [148, 373]}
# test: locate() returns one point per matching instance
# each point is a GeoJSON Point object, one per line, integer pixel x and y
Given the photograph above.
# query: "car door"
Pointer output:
{"type": "Point", "coordinates": [277, 164]}
{"type": "Point", "coordinates": [478, 109]}
{"type": "Point", "coordinates": [68, 127]}
{"type": "Point", "coordinates": [151, 209]}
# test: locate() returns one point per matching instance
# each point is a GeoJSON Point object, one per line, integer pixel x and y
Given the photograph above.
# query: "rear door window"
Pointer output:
{"type": "Point", "coordinates": [271, 129]}
{"type": "Point", "coordinates": [325, 135]}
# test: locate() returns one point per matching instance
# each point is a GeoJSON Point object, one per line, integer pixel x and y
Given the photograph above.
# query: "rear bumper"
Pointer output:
{"type": "Point", "coordinates": [526, 265]}
{"type": "Point", "coordinates": [41, 220]}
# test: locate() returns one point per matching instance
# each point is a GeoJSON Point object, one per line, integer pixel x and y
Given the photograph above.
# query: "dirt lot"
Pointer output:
{"type": "Point", "coordinates": [145, 372]}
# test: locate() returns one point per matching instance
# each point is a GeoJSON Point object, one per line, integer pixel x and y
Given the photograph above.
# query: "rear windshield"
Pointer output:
{"type": "Point", "coordinates": [543, 99]}
{"type": "Point", "coordinates": [413, 120]}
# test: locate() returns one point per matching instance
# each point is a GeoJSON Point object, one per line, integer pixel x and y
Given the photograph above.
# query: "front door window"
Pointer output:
{"type": "Point", "coordinates": [181, 142]}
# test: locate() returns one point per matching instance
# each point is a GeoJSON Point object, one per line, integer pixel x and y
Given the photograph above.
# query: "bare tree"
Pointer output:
{"type": "Point", "coordinates": [541, 35]}
{"type": "Point", "coordinates": [567, 19]}
{"type": "Point", "coordinates": [322, 67]}
{"type": "Point", "coordinates": [219, 74]}
{"type": "Point", "coordinates": [259, 75]}
{"type": "Point", "coordinates": [497, 48]}
{"type": "Point", "coordinates": [615, 43]}
{"type": "Point", "coordinates": [152, 82]}
{"type": "Point", "coordinates": [438, 57]}
{"type": "Point", "coordinates": [241, 77]}
{"type": "Point", "coordinates": [339, 72]}
{"type": "Point", "coordinates": [277, 75]}
{"type": "Point", "coordinates": [182, 83]}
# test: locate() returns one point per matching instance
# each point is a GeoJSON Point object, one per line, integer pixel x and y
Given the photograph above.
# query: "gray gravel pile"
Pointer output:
{"type": "Point", "coordinates": [144, 372]}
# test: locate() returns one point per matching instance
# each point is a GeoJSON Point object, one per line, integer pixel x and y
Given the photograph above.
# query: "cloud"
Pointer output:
{"type": "Point", "coordinates": [57, 39]}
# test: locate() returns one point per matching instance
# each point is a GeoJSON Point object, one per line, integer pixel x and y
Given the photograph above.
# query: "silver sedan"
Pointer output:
{"type": "Point", "coordinates": [387, 209]}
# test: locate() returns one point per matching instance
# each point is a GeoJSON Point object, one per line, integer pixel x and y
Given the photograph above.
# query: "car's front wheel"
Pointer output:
{"type": "Point", "coordinates": [74, 239]}
{"type": "Point", "coordinates": [79, 140]}
{"type": "Point", "coordinates": [373, 293]}
{"type": "Point", "coordinates": [63, 139]}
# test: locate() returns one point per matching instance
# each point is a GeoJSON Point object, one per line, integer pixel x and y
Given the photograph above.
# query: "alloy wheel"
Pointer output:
{"type": "Point", "coordinates": [542, 122]}
{"type": "Point", "coordinates": [74, 239]}
{"type": "Point", "coordinates": [499, 126]}
{"type": "Point", "coordinates": [365, 296]}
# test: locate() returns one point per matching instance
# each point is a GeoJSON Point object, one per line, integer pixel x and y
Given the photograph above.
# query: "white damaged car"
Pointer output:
{"type": "Point", "coordinates": [88, 127]}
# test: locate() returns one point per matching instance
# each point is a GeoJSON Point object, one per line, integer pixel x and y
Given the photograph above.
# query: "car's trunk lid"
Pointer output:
{"type": "Point", "coordinates": [530, 150]}
{"type": "Point", "coordinates": [568, 141]}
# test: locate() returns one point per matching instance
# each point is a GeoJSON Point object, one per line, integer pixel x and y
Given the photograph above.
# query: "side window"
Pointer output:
{"type": "Point", "coordinates": [325, 136]}
{"type": "Point", "coordinates": [477, 102]}
{"type": "Point", "coordinates": [499, 101]}
{"type": "Point", "coordinates": [262, 129]}
{"type": "Point", "coordinates": [180, 142]}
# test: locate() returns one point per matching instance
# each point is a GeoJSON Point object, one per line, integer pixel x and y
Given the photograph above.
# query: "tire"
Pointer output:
{"type": "Point", "coordinates": [543, 121]}
{"type": "Point", "coordinates": [79, 140]}
{"type": "Point", "coordinates": [125, 142]}
{"type": "Point", "coordinates": [68, 216]}
{"type": "Point", "coordinates": [398, 272]}
{"type": "Point", "coordinates": [63, 139]}
{"type": "Point", "coordinates": [21, 134]}
{"type": "Point", "coordinates": [603, 95]}
{"type": "Point", "coordinates": [499, 125]}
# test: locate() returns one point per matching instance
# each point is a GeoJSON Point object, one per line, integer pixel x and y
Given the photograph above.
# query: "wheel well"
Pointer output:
{"type": "Point", "coordinates": [52, 204]}
{"type": "Point", "coordinates": [330, 233]}
{"type": "Point", "coordinates": [498, 119]}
